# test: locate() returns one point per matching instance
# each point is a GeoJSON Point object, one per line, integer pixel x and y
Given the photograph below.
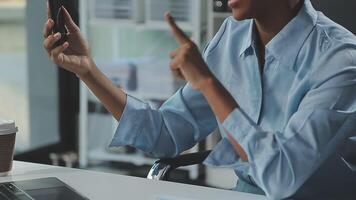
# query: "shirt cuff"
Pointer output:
{"type": "Point", "coordinates": [239, 125]}
{"type": "Point", "coordinates": [223, 155]}
{"type": "Point", "coordinates": [130, 123]}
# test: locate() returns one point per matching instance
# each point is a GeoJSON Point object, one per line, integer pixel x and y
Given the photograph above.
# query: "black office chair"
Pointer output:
{"type": "Point", "coordinates": [161, 169]}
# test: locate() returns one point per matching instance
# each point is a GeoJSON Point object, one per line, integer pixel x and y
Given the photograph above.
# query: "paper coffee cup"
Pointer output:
{"type": "Point", "coordinates": [8, 132]}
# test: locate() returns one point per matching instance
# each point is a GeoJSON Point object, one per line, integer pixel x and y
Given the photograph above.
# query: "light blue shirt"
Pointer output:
{"type": "Point", "coordinates": [294, 119]}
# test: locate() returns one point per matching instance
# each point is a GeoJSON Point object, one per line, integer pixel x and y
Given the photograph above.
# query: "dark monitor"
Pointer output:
{"type": "Point", "coordinates": [341, 11]}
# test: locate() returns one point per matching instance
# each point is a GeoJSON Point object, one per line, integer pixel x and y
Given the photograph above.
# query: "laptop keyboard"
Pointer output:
{"type": "Point", "coordinates": [9, 191]}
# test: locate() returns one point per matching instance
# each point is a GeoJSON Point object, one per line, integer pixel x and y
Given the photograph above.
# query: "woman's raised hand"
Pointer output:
{"type": "Point", "coordinates": [74, 54]}
{"type": "Point", "coordinates": [187, 62]}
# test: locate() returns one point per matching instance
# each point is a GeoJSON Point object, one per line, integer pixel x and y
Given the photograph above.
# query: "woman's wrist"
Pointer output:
{"type": "Point", "coordinates": [89, 73]}
{"type": "Point", "coordinates": [207, 84]}
{"type": "Point", "coordinates": [219, 98]}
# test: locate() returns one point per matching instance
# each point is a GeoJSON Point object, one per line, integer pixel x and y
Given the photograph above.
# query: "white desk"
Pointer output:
{"type": "Point", "coordinates": [104, 186]}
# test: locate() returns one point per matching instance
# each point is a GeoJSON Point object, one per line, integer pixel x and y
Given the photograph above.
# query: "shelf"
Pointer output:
{"type": "Point", "coordinates": [222, 14]}
{"type": "Point", "coordinates": [144, 96]}
{"type": "Point", "coordinates": [160, 26]}
{"type": "Point", "coordinates": [135, 158]}
{"type": "Point", "coordinates": [149, 96]}
{"type": "Point", "coordinates": [114, 23]}
{"type": "Point", "coordinates": [195, 28]}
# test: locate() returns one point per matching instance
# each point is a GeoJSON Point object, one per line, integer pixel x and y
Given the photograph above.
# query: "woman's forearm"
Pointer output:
{"type": "Point", "coordinates": [219, 99]}
{"type": "Point", "coordinates": [222, 104]}
{"type": "Point", "coordinates": [112, 97]}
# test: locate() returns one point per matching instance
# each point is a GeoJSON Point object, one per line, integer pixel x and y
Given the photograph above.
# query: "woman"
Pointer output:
{"type": "Point", "coordinates": [278, 80]}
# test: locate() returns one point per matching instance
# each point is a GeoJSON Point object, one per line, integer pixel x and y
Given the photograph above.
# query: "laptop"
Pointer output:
{"type": "Point", "coordinates": [38, 189]}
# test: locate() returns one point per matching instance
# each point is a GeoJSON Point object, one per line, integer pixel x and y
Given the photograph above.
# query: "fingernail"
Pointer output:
{"type": "Point", "coordinates": [57, 35]}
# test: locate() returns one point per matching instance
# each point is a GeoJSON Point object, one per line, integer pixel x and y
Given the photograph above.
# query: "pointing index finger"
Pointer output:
{"type": "Point", "coordinates": [49, 14]}
{"type": "Point", "coordinates": [177, 32]}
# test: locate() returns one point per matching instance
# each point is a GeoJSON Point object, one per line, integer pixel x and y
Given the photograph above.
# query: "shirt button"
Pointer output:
{"type": "Point", "coordinates": [325, 45]}
{"type": "Point", "coordinates": [268, 63]}
{"type": "Point", "coordinates": [269, 59]}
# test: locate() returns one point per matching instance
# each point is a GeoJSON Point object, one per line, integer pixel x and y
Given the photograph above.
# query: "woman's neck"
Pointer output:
{"type": "Point", "coordinates": [272, 21]}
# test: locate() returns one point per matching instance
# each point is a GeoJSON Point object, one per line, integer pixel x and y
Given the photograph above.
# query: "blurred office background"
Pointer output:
{"type": "Point", "coordinates": [61, 122]}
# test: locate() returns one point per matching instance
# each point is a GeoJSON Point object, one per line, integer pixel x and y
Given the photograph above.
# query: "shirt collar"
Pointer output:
{"type": "Point", "coordinates": [286, 45]}
{"type": "Point", "coordinates": [292, 36]}
{"type": "Point", "coordinates": [250, 39]}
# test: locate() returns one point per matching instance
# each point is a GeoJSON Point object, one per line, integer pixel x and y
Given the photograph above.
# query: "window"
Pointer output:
{"type": "Point", "coordinates": [13, 67]}
{"type": "Point", "coordinates": [28, 84]}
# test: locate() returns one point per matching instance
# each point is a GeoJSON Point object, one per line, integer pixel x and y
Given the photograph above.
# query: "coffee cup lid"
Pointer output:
{"type": "Point", "coordinates": [7, 127]}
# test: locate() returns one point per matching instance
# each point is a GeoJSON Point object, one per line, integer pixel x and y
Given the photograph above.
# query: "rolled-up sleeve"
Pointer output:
{"type": "Point", "coordinates": [129, 122]}
{"type": "Point", "coordinates": [168, 131]}
{"type": "Point", "coordinates": [280, 162]}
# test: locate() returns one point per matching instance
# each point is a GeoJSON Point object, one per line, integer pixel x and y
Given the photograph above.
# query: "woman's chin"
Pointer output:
{"type": "Point", "coordinates": [238, 15]}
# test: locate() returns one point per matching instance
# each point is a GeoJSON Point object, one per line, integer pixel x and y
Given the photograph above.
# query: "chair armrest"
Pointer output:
{"type": "Point", "coordinates": [348, 153]}
{"type": "Point", "coordinates": [161, 168]}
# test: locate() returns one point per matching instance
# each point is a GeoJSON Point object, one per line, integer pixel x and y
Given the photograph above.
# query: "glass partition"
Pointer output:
{"type": "Point", "coordinates": [28, 82]}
